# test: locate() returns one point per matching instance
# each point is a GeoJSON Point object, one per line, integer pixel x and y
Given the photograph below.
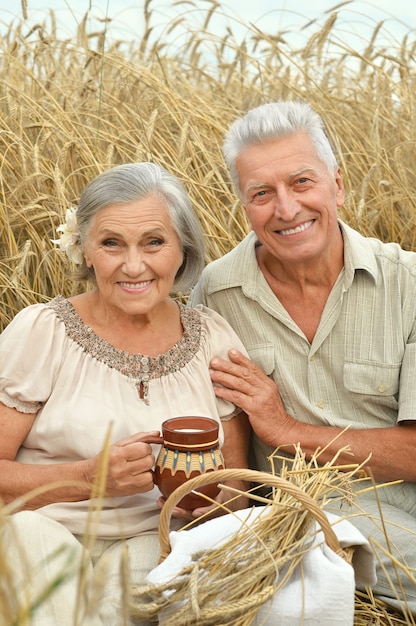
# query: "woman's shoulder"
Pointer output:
{"type": "Point", "coordinates": [40, 314]}
{"type": "Point", "coordinates": [203, 324]}
{"type": "Point", "coordinates": [216, 331]}
{"type": "Point", "coordinates": [212, 321]}
{"type": "Point", "coordinates": [62, 308]}
{"type": "Point", "coordinates": [207, 315]}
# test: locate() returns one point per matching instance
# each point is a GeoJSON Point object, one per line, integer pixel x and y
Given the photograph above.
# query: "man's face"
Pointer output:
{"type": "Point", "coordinates": [290, 197]}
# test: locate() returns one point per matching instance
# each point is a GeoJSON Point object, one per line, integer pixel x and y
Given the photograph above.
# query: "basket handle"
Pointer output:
{"type": "Point", "coordinates": [248, 475]}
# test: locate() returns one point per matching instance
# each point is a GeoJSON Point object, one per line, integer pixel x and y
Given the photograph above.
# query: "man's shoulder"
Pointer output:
{"type": "Point", "coordinates": [393, 251]}
{"type": "Point", "coordinates": [368, 252]}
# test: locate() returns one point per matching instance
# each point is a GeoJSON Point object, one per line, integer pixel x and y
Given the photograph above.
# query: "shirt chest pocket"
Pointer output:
{"type": "Point", "coordinates": [372, 378]}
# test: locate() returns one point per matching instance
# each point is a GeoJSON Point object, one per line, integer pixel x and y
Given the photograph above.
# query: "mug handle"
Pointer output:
{"type": "Point", "coordinates": [156, 439]}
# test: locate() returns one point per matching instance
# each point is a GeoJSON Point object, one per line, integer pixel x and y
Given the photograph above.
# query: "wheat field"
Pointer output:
{"type": "Point", "coordinates": [72, 107]}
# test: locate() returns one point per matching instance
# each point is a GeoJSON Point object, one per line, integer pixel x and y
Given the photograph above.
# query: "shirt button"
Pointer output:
{"type": "Point", "coordinates": [320, 404]}
{"type": "Point", "coordinates": [381, 388]}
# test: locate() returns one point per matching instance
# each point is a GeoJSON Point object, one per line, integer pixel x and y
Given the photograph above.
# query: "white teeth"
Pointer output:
{"type": "Point", "coordinates": [298, 229]}
{"type": "Point", "coordinates": [136, 285]}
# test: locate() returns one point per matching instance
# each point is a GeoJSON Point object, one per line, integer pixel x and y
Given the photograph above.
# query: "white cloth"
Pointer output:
{"type": "Point", "coordinates": [320, 590]}
{"type": "Point", "coordinates": [81, 387]}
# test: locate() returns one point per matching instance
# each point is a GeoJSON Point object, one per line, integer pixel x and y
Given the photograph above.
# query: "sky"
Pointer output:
{"type": "Point", "coordinates": [356, 21]}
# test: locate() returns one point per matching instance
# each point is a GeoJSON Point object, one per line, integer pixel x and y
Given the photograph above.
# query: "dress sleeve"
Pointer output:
{"type": "Point", "coordinates": [219, 339]}
{"type": "Point", "coordinates": [30, 349]}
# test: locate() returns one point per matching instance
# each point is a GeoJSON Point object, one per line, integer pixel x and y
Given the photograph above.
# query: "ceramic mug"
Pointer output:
{"type": "Point", "coordinates": [189, 447]}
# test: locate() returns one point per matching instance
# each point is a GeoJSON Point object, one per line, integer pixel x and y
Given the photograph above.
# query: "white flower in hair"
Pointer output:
{"type": "Point", "coordinates": [69, 241]}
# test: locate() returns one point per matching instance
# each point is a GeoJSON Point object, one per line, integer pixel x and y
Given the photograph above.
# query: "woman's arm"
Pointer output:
{"type": "Point", "coordinates": [128, 467]}
{"type": "Point", "coordinates": [235, 452]}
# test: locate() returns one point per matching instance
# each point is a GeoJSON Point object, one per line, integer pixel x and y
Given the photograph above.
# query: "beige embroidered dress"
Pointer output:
{"type": "Point", "coordinates": [82, 388]}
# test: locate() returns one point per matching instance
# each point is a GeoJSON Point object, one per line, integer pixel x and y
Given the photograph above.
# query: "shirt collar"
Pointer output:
{"type": "Point", "coordinates": [358, 254]}
{"type": "Point", "coordinates": [243, 271]}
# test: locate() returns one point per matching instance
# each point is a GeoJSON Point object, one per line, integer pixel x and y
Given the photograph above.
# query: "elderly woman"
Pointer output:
{"type": "Point", "coordinates": [85, 380]}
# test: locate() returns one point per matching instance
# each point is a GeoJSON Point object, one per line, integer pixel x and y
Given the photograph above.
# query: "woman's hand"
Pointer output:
{"type": "Point", "coordinates": [129, 466]}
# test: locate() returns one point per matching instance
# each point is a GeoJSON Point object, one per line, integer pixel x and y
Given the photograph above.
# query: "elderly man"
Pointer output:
{"type": "Point", "coordinates": [328, 318]}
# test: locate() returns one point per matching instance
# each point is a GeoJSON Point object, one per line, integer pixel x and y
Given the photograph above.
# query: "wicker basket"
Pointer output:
{"type": "Point", "coordinates": [245, 585]}
{"type": "Point", "coordinates": [263, 478]}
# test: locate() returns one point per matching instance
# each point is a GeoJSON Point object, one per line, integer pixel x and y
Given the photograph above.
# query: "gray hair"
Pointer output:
{"type": "Point", "coordinates": [273, 121]}
{"type": "Point", "coordinates": [131, 182]}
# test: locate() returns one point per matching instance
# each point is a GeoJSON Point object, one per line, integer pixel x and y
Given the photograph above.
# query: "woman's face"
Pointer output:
{"type": "Point", "coordinates": [135, 253]}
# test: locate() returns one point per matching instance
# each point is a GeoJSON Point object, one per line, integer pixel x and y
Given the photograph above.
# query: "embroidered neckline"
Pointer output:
{"type": "Point", "coordinates": [139, 367]}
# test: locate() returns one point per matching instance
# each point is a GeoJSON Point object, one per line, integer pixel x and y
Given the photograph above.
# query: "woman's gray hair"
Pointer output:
{"type": "Point", "coordinates": [130, 182]}
{"type": "Point", "coordinates": [273, 121]}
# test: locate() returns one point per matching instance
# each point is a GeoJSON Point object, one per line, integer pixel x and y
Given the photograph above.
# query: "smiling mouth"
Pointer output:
{"type": "Point", "coordinates": [298, 229]}
{"type": "Point", "coordinates": [137, 286]}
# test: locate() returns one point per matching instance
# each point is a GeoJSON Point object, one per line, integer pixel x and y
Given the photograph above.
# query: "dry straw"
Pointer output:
{"type": "Point", "coordinates": [275, 543]}
{"type": "Point", "coordinates": [272, 542]}
{"type": "Point", "coordinates": [72, 108]}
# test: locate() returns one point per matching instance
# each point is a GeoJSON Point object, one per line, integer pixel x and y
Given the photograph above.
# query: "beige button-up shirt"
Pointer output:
{"type": "Point", "coordinates": [360, 369]}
